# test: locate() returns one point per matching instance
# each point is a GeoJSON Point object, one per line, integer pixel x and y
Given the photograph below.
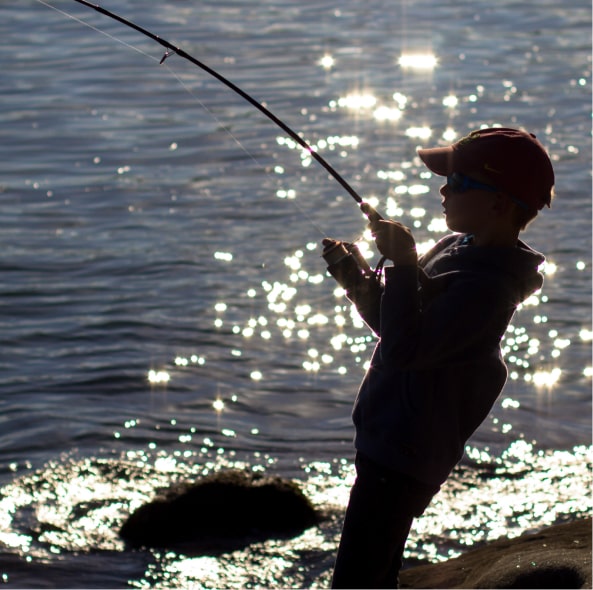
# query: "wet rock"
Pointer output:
{"type": "Point", "coordinates": [222, 512]}
{"type": "Point", "coordinates": [556, 557]}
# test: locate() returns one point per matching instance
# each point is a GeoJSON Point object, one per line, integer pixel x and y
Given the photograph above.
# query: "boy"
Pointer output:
{"type": "Point", "coordinates": [437, 368]}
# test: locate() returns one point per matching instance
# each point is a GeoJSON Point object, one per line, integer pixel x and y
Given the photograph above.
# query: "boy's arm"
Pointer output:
{"type": "Point", "coordinates": [449, 321]}
{"type": "Point", "coordinates": [355, 276]}
{"type": "Point", "coordinates": [367, 298]}
{"type": "Point", "coordinates": [467, 315]}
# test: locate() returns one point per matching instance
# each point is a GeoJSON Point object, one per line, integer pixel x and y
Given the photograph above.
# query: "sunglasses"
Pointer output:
{"type": "Point", "coordinates": [459, 183]}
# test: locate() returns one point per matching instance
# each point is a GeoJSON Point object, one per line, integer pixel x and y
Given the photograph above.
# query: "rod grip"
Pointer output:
{"type": "Point", "coordinates": [371, 213]}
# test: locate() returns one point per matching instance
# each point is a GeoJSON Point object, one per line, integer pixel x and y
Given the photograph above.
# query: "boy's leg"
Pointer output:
{"type": "Point", "coordinates": [376, 526]}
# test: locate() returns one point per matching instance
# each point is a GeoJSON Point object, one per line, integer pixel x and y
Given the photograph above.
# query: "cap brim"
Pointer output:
{"type": "Point", "coordinates": [438, 160]}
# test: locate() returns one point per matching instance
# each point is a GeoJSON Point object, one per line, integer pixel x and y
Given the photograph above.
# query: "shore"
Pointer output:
{"type": "Point", "coordinates": [555, 557]}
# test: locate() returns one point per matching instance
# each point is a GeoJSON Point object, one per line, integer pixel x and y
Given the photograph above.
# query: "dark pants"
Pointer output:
{"type": "Point", "coordinates": [382, 505]}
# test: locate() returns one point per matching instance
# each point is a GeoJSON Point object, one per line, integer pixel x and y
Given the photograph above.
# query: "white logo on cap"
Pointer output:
{"type": "Point", "coordinates": [490, 169]}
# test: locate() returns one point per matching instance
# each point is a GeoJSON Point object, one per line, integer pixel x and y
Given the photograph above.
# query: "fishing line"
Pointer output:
{"type": "Point", "coordinates": [105, 33]}
{"type": "Point", "coordinates": [172, 50]}
{"type": "Point", "coordinates": [294, 202]}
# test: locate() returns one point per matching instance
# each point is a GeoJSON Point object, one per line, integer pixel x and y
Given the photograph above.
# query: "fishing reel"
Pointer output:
{"type": "Point", "coordinates": [348, 266]}
{"type": "Point", "coordinates": [351, 271]}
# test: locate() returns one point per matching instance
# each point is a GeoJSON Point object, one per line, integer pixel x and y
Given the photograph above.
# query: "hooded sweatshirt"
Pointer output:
{"type": "Point", "coordinates": [437, 368]}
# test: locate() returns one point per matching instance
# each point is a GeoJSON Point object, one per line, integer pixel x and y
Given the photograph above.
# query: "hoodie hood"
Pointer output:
{"type": "Point", "coordinates": [519, 266]}
{"type": "Point", "coordinates": [522, 264]}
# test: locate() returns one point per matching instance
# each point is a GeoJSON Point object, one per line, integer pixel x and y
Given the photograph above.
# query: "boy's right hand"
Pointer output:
{"type": "Point", "coordinates": [395, 241]}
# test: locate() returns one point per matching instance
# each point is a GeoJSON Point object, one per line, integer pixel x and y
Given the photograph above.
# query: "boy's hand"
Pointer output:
{"type": "Point", "coordinates": [395, 241]}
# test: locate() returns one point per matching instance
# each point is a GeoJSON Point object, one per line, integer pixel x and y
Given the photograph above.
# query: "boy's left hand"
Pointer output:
{"type": "Point", "coordinates": [395, 241]}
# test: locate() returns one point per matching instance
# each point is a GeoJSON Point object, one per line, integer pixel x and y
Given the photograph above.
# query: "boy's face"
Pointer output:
{"type": "Point", "coordinates": [470, 210]}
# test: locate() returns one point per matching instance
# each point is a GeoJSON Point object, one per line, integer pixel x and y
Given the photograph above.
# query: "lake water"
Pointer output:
{"type": "Point", "coordinates": [164, 308]}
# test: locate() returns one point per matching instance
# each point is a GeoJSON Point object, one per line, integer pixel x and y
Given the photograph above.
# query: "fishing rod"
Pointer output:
{"type": "Point", "coordinates": [173, 50]}
{"type": "Point", "coordinates": [345, 261]}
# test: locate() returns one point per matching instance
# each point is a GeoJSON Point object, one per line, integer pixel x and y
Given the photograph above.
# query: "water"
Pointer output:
{"type": "Point", "coordinates": [164, 309]}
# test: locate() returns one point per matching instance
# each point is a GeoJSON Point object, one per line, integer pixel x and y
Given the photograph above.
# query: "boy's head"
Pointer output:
{"type": "Point", "coordinates": [513, 161]}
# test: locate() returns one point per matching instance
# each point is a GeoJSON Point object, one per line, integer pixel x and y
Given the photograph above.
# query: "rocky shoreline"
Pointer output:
{"type": "Point", "coordinates": [555, 557]}
{"type": "Point", "coordinates": [229, 510]}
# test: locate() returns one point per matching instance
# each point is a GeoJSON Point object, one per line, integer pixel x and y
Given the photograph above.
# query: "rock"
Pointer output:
{"type": "Point", "coordinates": [556, 557]}
{"type": "Point", "coordinates": [222, 512]}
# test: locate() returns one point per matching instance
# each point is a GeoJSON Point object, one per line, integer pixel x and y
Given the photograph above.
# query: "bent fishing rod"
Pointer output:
{"type": "Point", "coordinates": [171, 49]}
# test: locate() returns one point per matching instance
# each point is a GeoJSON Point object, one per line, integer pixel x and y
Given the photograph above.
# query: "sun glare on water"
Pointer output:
{"type": "Point", "coordinates": [327, 62]}
{"type": "Point", "coordinates": [418, 61]}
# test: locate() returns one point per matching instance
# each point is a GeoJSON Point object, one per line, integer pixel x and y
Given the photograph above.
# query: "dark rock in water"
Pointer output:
{"type": "Point", "coordinates": [222, 512]}
{"type": "Point", "coordinates": [556, 557]}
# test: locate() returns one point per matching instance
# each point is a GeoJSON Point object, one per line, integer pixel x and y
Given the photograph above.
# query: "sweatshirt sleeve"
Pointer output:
{"type": "Point", "coordinates": [469, 316]}
{"type": "Point", "coordinates": [366, 296]}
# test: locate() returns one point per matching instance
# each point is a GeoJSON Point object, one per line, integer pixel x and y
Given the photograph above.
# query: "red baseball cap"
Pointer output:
{"type": "Point", "coordinates": [511, 160]}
